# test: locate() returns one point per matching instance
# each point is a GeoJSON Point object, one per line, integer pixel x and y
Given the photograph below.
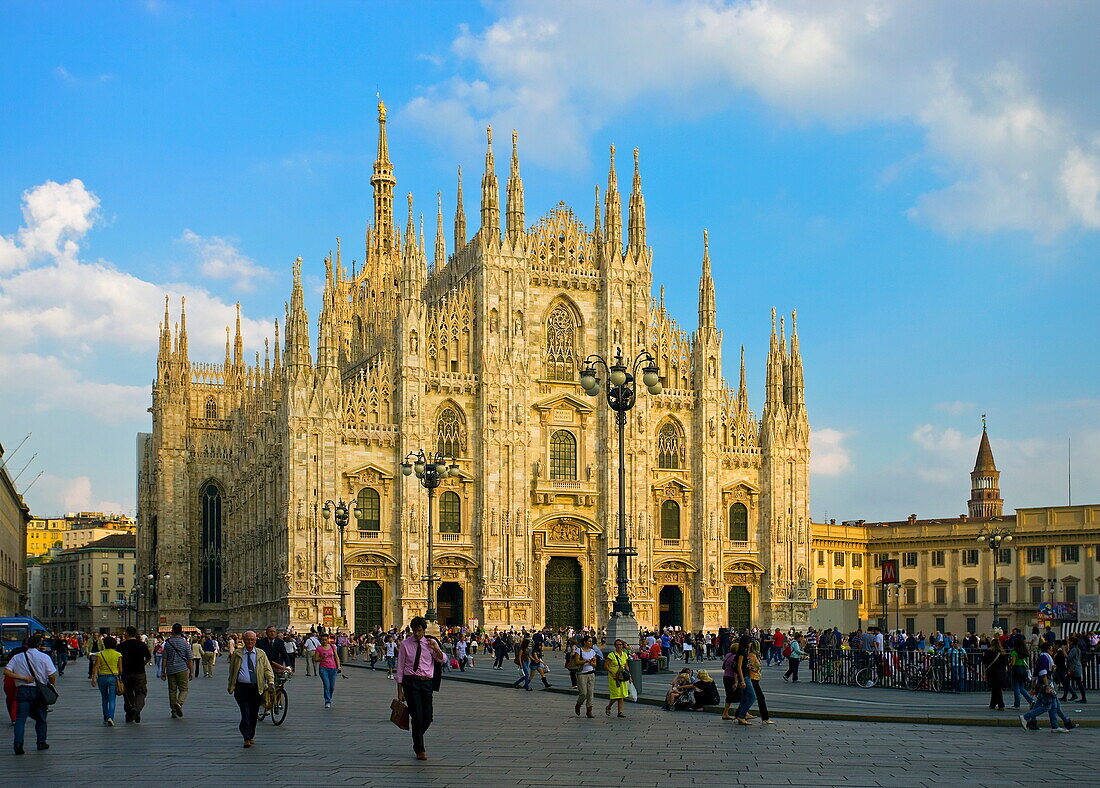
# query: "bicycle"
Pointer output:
{"type": "Point", "coordinates": [928, 677]}
{"type": "Point", "coordinates": [278, 709]}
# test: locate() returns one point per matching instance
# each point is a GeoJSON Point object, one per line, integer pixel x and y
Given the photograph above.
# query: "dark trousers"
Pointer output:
{"type": "Point", "coordinates": [996, 698]}
{"type": "Point", "coordinates": [418, 697]}
{"type": "Point", "coordinates": [133, 699]}
{"type": "Point", "coordinates": [26, 705]}
{"type": "Point", "coordinates": [761, 703]}
{"type": "Point", "coordinates": [1073, 684]}
{"type": "Point", "coordinates": [248, 698]}
{"type": "Point", "coordinates": [792, 668]}
{"type": "Point", "coordinates": [500, 658]}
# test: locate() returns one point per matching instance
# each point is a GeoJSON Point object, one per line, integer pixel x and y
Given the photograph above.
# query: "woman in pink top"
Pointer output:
{"type": "Point", "coordinates": [328, 664]}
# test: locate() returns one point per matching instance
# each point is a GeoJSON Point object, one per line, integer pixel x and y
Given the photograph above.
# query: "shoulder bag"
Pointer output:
{"type": "Point", "coordinates": [47, 693]}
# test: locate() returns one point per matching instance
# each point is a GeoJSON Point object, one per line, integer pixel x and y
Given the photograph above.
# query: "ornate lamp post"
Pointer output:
{"type": "Point", "coordinates": [621, 397]}
{"type": "Point", "coordinates": [430, 470]}
{"type": "Point", "coordinates": [342, 512]}
{"type": "Point", "coordinates": [150, 583]}
{"type": "Point", "coordinates": [993, 538]}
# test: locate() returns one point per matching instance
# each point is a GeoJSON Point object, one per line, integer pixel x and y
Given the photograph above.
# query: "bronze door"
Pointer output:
{"type": "Point", "coordinates": [564, 597]}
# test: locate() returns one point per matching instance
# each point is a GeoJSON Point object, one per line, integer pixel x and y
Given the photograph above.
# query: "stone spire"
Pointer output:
{"type": "Point", "coordinates": [182, 355]}
{"type": "Point", "coordinates": [743, 390]}
{"type": "Point", "coordinates": [164, 352]}
{"type": "Point", "coordinates": [460, 218]}
{"type": "Point", "coordinates": [440, 244]}
{"type": "Point", "coordinates": [774, 380]}
{"type": "Point", "coordinates": [985, 493]}
{"type": "Point", "coordinates": [795, 394]}
{"type": "Point", "coordinates": [277, 364]}
{"type": "Point", "coordinates": [490, 192]}
{"type": "Point", "coordinates": [412, 258]}
{"type": "Point", "coordinates": [636, 226]}
{"type": "Point", "coordinates": [383, 183]}
{"type": "Point", "coordinates": [597, 230]}
{"type": "Point", "coordinates": [326, 338]}
{"type": "Point", "coordinates": [297, 325]}
{"type": "Point", "coordinates": [238, 342]}
{"type": "Point", "coordinates": [228, 351]}
{"type": "Point", "coordinates": [707, 310]}
{"type": "Point", "coordinates": [613, 210]}
{"type": "Point", "coordinates": [515, 194]}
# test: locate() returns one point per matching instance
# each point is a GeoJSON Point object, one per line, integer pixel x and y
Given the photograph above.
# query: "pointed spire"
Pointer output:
{"type": "Point", "coordinates": [410, 227]}
{"type": "Point", "coordinates": [277, 364]}
{"type": "Point", "coordinates": [383, 182]}
{"type": "Point", "coordinates": [297, 325]}
{"type": "Point", "coordinates": [412, 258]}
{"type": "Point", "coordinates": [743, 389]}
{"type": "Point", "coordinates": [165, 352]}
{"type": "Point", "coordinates": [613, 210]}
{"type": "Point", "coordinates": [984, 461]}
{"type": "Point", "coordinates": [774, 393]}
{"type": "Point", "coordinates": [238, 341]}
{"type": "Point", "coordinates": [636, 226]}
{"type": "Point", "coordinates": [182, 357]}
{"type": "Point", "coordinates": [460, 217]}
{"type": "Point", "coordinates": [490, 192]}
{"type": "Point", "coordinates": [707, 310]}
{"type": "Point", "coordinates": [985, 493]}
{"type": "Point", "coordinates": [228, 351]}
{"type": "Point", "coordinates": [661, 302]}
{"type": "Point", "coordinates": [339, 263]}
{"type": "Point", "coordinates": [440, 245]}
{"type": "Point", "coordinates": [597, 230]}
{"type": "Point", "coordinates": [796, 397]}
{"type": "Point", "coordinates": [515, 194]}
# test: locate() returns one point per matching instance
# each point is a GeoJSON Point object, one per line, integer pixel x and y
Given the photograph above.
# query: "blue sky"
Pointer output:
{"type": "Point", "coordinates": [921, 182]}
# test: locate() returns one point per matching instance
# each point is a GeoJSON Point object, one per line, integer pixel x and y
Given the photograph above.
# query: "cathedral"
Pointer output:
{"type": "Point", "coordinates": [475, 352]}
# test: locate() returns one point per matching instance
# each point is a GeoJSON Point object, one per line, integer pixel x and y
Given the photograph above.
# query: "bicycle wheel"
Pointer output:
{"type": "Point", "coordinates": [935, 681]}
{"type": "Point", "coordinates": [278, 711]}
{"type": "Point", "coordinates": [866, 678]}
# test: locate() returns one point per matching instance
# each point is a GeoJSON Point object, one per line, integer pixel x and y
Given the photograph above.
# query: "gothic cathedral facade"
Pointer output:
{"type": "Point", "coordinates": [476, 356]}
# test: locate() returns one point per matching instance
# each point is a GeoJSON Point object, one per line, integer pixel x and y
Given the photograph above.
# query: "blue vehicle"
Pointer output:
{"type": "Point", "coordinates": [16, 629]}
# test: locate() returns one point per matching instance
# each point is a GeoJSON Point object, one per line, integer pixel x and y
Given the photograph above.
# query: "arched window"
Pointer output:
{"type": "Point", "coordinates": [449, 433]}
{"type": "Point", "coordinates": [450, 513]}
{"type": "Point", "coordinates": [670, 448]}
{"type": "Point", "coordinates": [739, 523]}
{"type": "Point", "coordinates": [210, 556]}
{"type": "Point", "coordinates": [670, 520]}
{"type": "Point", "coordinates": [370, 510]}
{"type": "Point", "coordinates": [211, 408]}
{"type": "Point", "coordinates": [561, 355]}
{"type": "Point", "coordinates": [563, 455]}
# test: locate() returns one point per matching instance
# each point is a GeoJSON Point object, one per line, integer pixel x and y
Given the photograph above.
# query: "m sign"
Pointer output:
{"type": "Point", "coordinates": [890, 571]}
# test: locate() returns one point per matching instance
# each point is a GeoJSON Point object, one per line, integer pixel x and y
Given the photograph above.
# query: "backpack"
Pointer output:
{"type": "Point", "coordinates": [787, 650]}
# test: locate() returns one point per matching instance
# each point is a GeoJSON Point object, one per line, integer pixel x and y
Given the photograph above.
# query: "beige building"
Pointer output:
{"type": "Point", "coordinates": [75, 529]}
{"type": "Point", "coordinates": [14, 515]}
{"type": "Point", "coordinates": [88, 588]}
{"type": "Point", "coordinates": [476, 355]}
{"type": "Point", "coordinates": [45, 533]}
{"type": "Point", "coordinates": [948, 580]}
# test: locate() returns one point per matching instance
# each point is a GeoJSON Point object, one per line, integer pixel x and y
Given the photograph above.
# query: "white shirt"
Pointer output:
{"type": "Point", "coordinates": [391, 649]}
{"type": "Point", "coordinates": [246, 657]}
{"type": "Point", "coordinates": [587, 653]}
{"type": "Point", "coordinates": [460, 649]}
{"type": "Point", "coordinates": [290, 647]}
{"type": "Point", "coordinates": [879, 641]}
{"type": "Point", "coordinates": [32, 662]}
{"type": "Point", "coordinates": [312, 643]}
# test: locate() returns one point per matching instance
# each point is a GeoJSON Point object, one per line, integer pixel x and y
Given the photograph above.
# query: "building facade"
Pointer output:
{"type": "Point", "coordinates": [44, 534]}
{"type": "Point", "coordinates": [476, 356]}
{"type": "Point", "coordinates": [14, 515]}
{"type": "Point", "coordinates": [947, 579]}
{"type": "Point", "coordinates": [74, 529]}
{"type": "Point", "coordinates": [90, 588]}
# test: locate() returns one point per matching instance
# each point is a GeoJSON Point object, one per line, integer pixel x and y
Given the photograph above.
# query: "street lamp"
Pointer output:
{"type": "Point", "coordinates": [342, 512]}
{"type": "Point", "coordinates": [430, 470]}
{"type": "Point", "coordinates": [621, 397]}
{"type": "Point", "coordinates": [151, 594]}
{"type": "Point", "coordinates": [993, 538]}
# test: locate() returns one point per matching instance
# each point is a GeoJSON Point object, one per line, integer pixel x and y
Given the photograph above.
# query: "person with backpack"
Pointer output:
{"type": "Point", "coordinates": [312, 644]}
{"type": "Point", "coordinates": [794, 652]}
{"type": "Point", "coordinates": [210, 651]}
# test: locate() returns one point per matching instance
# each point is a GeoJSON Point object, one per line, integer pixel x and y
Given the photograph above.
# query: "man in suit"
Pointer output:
{"type": "Point", "coordinates": [275, 648]}
{"type": "Point", "coordinates": [250, 674]}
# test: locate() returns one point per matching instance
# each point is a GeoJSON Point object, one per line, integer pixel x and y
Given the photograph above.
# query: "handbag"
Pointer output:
{"type": "Point", "coordinates": [399, 714]}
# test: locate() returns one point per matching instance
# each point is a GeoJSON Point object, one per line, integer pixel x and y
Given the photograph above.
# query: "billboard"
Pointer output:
{"type": "Point", "coordinates": [1058, 611]}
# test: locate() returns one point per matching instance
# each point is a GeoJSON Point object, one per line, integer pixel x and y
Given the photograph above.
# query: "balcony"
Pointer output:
{"type": "Point", "coordinates": [450, 538]}
{"type": "Point", "coordinates": [738, 546]}
{"type": "Point", "coordinates": [582, 493]}
{"type": "Point", "coordinates": [671, 544]}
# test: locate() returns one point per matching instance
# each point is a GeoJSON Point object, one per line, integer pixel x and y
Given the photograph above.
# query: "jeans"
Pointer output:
{"type": "Point", "coordinates": [328, 682]}
{"type": "Point", "coordinates": [525, 679]}
{"type": "Point", "coordinates": [62, 660]}
{"type": "Point", "coordinates": [499, 661]}
{"type": "Point", "coordinates": [1048, 702]}
{"type": "Point", "coordinates": [748, 697]}
{"type": "Point", "coordinates": [26, 705]}
{"type": "Point", "coordinates": [107, 695]}
{"type": "Point", "coordinates": [248, 699]}
{"type": "Point", "coordinates": [1019, 687]}
{"type": "Point", "coordinates": [418, 697]}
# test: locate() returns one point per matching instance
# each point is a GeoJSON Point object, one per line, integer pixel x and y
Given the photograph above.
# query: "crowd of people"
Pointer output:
{"type": "Point", "coordinates": [1041, 670]}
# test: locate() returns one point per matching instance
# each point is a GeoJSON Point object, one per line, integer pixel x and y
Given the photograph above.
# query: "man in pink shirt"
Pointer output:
{"type": "Point", "coordinates": [416, 660]}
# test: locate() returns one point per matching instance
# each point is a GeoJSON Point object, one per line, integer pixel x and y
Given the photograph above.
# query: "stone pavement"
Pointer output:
{"type": "Point", "coordinates": [487, 736]}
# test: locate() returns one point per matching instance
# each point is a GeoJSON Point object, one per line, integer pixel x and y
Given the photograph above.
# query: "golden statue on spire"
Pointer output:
{"type": "Point", "coordinates": [381, 107]}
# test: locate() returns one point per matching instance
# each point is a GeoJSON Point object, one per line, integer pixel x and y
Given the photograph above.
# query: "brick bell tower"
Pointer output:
{"type": "Point", "coordinates": [985, 493]}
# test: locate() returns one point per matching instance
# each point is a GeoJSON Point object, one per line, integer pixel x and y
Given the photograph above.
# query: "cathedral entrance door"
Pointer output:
{"type": "Point", "coordinates": [450, 605]}
{"type": "Point", "coordinates": [368, 606]}
{"type": "Point", "coordinates": [563, 593]}
{"type": "Point", "coordinates": [738, 609]}
{"type": "Point", "coordinates": [672, 606]}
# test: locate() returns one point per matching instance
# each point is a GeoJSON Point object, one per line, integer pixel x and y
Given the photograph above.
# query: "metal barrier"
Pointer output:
{"type": "Point", "coordinates": [944, 671]}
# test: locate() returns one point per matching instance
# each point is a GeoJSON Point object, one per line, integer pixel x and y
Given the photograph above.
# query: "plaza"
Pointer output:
{"type": "Point", "coordinates": [492, 736]}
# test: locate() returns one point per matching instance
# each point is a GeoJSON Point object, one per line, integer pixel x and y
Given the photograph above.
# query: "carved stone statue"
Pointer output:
{"type": "Point", "coordinates": [519, 569]}
{"type": "Point", "coordinates": [493, 568]}
{"type": "Point", "coordinates": [301, 563]}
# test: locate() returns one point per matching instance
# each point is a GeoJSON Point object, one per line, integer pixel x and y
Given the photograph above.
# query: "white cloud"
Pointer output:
{"type": "Point", "coordinates": [829, 456]}
{"type": "Point", "coordinates": [55, 217]}
{"type": "Point", "coordinates": [219, 258]}
{"type": "Point", "coordinates": [955, 408]}
{"type": "Point", "coordinates": [51, 384]}
{"type": "Point", "coordinates": [1008, 116]}
{"type": "Point", "coordinates": [75, 495]}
